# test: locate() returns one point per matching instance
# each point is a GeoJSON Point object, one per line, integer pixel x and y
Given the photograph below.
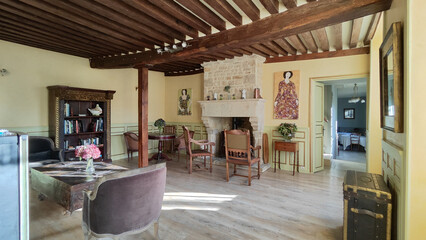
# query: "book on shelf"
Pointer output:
{"type": "Point", "coordinates": [73, 126]}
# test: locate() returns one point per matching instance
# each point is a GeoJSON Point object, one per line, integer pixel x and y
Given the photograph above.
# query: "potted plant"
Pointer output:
{"type": "Point", "coordinates": [287, 130]}
{"type": "Point", "coordinates": [160, 123]}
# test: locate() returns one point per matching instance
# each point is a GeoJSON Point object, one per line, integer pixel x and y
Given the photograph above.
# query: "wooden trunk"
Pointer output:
{"type": "Point", "coordinates": [368, 207]}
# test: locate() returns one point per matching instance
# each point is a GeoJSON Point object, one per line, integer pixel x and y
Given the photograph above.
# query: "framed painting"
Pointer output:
{"type": "Point", "coordinates": [185, 102]}
{"type": "Point", "coordinates": [286, 94]}
{"type": "Point", "coordinates": [349, 113]}
{"type": "Point", "coordinates": [391, 80]}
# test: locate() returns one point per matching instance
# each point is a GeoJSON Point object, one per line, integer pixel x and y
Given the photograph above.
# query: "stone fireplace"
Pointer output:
{"type": "Point", "coordinates": [238, 73]}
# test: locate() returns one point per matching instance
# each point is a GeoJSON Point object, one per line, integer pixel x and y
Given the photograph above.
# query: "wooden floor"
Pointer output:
{"type": "Point", "coordinates": [205, 206]}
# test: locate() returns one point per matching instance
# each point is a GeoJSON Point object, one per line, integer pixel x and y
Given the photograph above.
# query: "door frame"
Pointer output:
{"type": "Point", "coordinates": [311, 96]}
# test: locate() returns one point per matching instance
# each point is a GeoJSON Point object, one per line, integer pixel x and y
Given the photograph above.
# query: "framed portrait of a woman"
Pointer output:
{"type": "Point", "coordinates": [286, 94]}
{"type": "Point", "coordinates": [185, 101]}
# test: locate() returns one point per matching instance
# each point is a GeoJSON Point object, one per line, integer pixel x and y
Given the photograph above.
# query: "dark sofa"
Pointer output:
{"type": "Point", "coordinates": [42, 151]}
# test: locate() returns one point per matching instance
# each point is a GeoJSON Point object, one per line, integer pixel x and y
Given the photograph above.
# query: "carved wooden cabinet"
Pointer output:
{"type": "Point", "coordinates": [71, 123]}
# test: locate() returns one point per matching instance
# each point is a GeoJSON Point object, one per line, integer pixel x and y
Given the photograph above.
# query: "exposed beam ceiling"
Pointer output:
{"type": "Point", "coordinates": [119, 34]}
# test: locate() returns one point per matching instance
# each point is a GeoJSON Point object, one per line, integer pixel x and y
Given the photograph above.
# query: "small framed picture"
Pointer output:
{"type": "Point", "coordinates": [349, 113]}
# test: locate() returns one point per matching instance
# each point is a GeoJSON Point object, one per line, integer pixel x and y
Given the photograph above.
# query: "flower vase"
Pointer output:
{"type": "Point", "coordinates": [160, 130]}
{"type": "Point", "coordinates": [90, 169]}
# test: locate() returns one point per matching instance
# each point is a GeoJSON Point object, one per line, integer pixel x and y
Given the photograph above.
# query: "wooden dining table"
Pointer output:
{"type": "Point", "coordinates": [161, 137]}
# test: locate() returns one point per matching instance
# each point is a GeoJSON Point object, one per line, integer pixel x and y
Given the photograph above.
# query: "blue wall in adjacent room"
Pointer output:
{"type": "Point", "coordinates": [360, 115]}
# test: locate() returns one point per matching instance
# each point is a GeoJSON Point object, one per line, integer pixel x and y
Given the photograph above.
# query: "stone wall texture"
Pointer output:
{"type": "Point", "coordinates": [239, 73]}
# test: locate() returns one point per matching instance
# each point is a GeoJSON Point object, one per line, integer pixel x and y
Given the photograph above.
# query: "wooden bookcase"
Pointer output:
{"type": "Point", "coordinates": [71, 124]}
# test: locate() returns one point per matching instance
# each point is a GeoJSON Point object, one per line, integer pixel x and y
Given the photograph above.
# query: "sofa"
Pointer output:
{"type": "Point", "coordinates": [42, 151]}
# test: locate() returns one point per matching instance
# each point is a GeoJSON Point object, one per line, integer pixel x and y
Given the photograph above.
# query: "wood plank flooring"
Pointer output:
{"type": "Point", "coordinates": [205, 206]}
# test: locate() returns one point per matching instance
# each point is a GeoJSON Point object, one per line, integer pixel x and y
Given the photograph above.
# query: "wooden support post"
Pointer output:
{"type": "Point", "coordinates": [143, 116]}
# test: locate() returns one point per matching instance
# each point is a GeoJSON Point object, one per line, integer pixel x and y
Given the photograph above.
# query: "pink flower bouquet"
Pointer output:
{"type": "Point", "coordinates": [87, 151]}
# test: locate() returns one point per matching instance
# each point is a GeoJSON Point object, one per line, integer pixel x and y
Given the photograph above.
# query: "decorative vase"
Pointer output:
{"type": "Point", "coordinates": [90, 169]}
{"type": "Point", "coordinates": [160, 130]}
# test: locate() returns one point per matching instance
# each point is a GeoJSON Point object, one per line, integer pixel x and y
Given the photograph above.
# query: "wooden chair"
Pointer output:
{"type": "Point", "coordinates": [205, 151]}
{"type": "Point", "coordinates": [179, 143]}
{"type": "Point", "coordinates": [169, 145]}
{"type": "Point", "coordinates": [355, 139]}
{"type": "Point", "coordinates": [239, 152]}
{"type": "Point", "coordinates": [131, 143]}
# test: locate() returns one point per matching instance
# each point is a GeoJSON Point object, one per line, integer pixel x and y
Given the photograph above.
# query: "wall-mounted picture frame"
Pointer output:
{"type": "Point", "coordinates": [391, 80]}
{"type": "Point", "coordinates": [349, 113]}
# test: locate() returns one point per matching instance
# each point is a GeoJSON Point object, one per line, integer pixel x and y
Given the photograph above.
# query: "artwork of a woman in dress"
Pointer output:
{"type": "Point", "coordinates": [184, 103]}
{"type": "Point", "coordinates": [286, 92]}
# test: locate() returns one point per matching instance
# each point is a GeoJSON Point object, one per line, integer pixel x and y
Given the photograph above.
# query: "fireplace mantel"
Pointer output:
{"type": "Point", "coordinates": [233, 108]}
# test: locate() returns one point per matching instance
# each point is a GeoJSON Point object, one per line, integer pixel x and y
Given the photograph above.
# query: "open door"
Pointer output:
{"type": "Point", "coordinates": [317, 126]}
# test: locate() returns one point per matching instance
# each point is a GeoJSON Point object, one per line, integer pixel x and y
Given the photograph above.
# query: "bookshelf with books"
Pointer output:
{"type": "Point", "coordinates": [71, 124]}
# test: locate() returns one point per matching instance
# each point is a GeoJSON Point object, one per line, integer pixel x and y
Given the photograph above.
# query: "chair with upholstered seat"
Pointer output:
{"type": "Point", "coordinates": [42, 151]}
{"type": "Point", "coordinates": [169, 145]}
{"type": "Point", "coordinates": [124, 203]}
{"type": "Point", "coordinates": [180, 143]}
{"type": "Point", "coordinates": [238, 151]}
{"type": "Point", "coordinates": [131, 140]}
{"type": "Point", "coordinates": [206, 149]}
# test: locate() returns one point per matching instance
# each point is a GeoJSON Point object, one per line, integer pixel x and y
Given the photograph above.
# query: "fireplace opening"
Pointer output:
{"type": "Point", "coordinates": [242, 123]}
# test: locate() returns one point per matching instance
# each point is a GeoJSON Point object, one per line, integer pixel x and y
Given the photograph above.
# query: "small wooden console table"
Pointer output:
{"type": "Point", "coordinates": [286, 147]}
{"type": "Point", "coordinates": [161, 137]}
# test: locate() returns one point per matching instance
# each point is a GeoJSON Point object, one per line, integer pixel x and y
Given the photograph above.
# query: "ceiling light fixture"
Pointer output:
{"type": "Point", "coordinates": [173, 48]}
{"type": "Point", "coordinates": [355, 97]}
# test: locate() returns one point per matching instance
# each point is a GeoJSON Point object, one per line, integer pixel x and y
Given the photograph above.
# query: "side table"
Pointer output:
{"type": "Point", "coordinates": [286, 147]}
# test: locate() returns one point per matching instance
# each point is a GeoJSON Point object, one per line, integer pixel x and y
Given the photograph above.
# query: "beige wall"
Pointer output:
{"type": "Point", "coordinates": [173, 84]}
{"type": "Point", "coordinates": [358, 64]}
{"type": "Point", "coordinates": [23, 92]}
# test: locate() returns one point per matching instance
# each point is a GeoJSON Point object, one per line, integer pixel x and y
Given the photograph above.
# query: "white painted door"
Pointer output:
{"type": "Point", "coordinates": [317, 125]}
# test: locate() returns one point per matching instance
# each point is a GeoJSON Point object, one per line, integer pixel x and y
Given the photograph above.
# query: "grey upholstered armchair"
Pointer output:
{"type": "Point", "coordinates": [124, 203]}
{"type": "Point", "coordinates": [42, 151]}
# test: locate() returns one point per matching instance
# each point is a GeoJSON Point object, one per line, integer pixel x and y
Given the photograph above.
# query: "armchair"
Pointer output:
{"type": "Point", "coordinates": [42, 151]}
{"type": "Point", "coordinates": [120, 205]}
{"type": "Point", "coordinates": [131, 140]}
{"type": "Point", "coordinates": [239, 152]}
{"type": "Point", "coordinates": [205, 151]}
{"type": "Point", "coordinates": [179, 143]}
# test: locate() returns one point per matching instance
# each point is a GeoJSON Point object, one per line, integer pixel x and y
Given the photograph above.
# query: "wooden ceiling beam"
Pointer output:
{"type": "Point", "coordinates": [323, 39]}
{"type": "Point", "coordinates": [264, 49]}
{"type": "Point", "coordinates": [276, 26]}
{"type": "Point", "coordinates": [255, 51]}
{"type": "Point", "coordinates": [372, 28]}
{"type": "Point", "coordinates": [275, 47]}
{"type": "Point", "coordinates": [297, 43]}
{"type": "Point", "coordinates": [135, 44]}
{"type": "Point", "coordinates": [226, 10]}
{"type": "Point", "coordinates": [52, 21]}
{"type": "Point", "coordinates": [270, 5]}
{"type": "Point", "coordinates": [289, 3]}
{"type": "Point", "coordinates": [182, 14]}
{"type": "Point", "coordinates": [337, 29]}
{"type": "Point", "coordinates": [183, 73]}
{"type": "Point", "coordinates": [329, 54]}
{"type": "Point", "coordinates": [285, 45]}
{"type": "Point", "coordinates": [124, 20]}
{"type": "Point", "coordinates": [310, 41]}
{"type": "Point", "coordinates": [148, 41]}
{"type": "Point", "coordinates": [141, 17]}
{"type": "Point", "coordinates": [198, 8]}
{"type": "Point", "coordinates": [249, 8]}
{"type": "Point", "coordinates": [242, 51]}
{"type": "Point", "coordinates": [162, 16]}
{"type": "Point", "coordinates": [356, 30]}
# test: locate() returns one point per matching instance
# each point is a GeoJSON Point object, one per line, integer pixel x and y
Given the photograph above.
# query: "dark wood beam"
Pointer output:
{"type": "Point", "coordinates": [297, 43]}
{"type": "Point", "coordinates": [276, 26]}
{"type": "Point", "coordinates": [323, 39]}
{"type": "Point", "coordinates": [329, 54]}
{"type": "Point", "coordinates": [248, 7]}
{"type": "Point", "coordinates": [310, 42]}
{"type": "Point", "coordinates": [242, 51]}
{"type": "Point", "coordinates": [162, 16]}
{"type": "Point", "coordinates": [356, 30]}
{"type": "Point", "coordinates": [182, 14]}
{"type": "Point", "coordinates": [310, 0]}
{"type": "Point", "coordinates": [143, 116]}
{"type": "Point", "coordinates": [226, 10]}
{"type": "Point", "coordinates": [260, 47]}
{"type": "Point", "coordinates": [372, 28]}
{"type": "Point", "coordinates": [254, 50]}
{"type": "Point", "coordinates": [290, 3]}
{"type": "Point", "coordinates": [337, 29]}
{"type": "Point", "coordinates": [140, 17]}
{"type": "Point", "coordinates": [275, 47]}
{"type": "Point", "coordinates": [285, 45]}
{"type": "Point", "coordinates": [197, 7]}
{"type": "Point", "coordinates": [270, 5]}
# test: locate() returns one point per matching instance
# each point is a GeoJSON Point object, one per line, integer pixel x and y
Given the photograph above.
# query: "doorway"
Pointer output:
{"type": "Point", "coordinates": [338, 123]}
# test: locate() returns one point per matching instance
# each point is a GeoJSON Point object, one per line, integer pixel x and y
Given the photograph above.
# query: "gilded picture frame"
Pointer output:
{"type": "Point", "coordinates": [391, 80]}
